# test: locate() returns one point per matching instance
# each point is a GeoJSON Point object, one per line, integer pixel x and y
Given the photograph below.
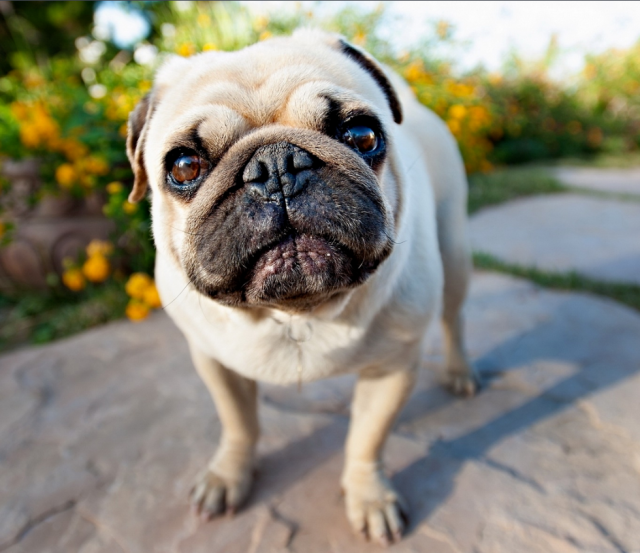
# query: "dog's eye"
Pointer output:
{"type": "Point", "coordinates": [361, 138]}
{"type": "Point", "coordinates": [188, 168]}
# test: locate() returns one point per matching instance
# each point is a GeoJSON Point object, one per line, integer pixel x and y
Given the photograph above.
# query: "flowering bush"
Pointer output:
{"type": "Point", "coordinates": [70, 112]}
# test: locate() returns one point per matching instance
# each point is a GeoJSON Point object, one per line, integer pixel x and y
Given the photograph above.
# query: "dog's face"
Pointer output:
{"type": "Point", "coordinates": [270, 170]}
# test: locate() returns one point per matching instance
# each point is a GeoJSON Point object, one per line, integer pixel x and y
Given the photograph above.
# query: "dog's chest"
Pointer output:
{"type": "Point", "coordinates": [278, 349]}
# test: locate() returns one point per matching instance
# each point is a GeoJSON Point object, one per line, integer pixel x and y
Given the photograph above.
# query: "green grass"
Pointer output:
{"type": "Point", "coordinates": [628, 294]}
{"type": "Point", "coordinates": [507, 184]}
{"type": "Point", "coordinates": [40, 317]}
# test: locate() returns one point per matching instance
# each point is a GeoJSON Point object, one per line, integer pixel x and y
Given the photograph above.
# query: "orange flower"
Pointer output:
{"type": "Point", "coordinates": [66, 175]}
{"type": "Point", "coordinates": [457, 111]}
{"type": "Point", "coordinates": [129, 208]}
{"type": "Point", "coordinates": [151, 297]}
{"type": "Point", "coordinates": [114, 187]}
{"type": "Point", "coordinates": [137, 285]}
{"type": "Point", "coordinates": [136, 311]}
{"type": "Point", "coordinates": [96, 165]}
{"type": "Point", "coordinates": [99, 247]}
{"type": "Point", "coordinates": [73, 279]}
{"type": "Point", "coordinates": [186, 49]}
{"type": "Point", "coordinates": [96, 268]}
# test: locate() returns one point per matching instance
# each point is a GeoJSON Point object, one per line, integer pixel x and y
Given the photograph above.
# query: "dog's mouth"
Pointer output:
{"type": "Point", "coordinates": [302, 266]}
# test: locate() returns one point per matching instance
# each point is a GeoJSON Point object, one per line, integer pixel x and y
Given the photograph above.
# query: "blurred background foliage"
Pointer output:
{"type": "Point", "coordinates": [68, 87]}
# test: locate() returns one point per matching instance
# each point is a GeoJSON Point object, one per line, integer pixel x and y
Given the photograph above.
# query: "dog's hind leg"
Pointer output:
{"type": "Point", "coordinates": [374, 508]}
{"type": "Point", "coordinates": [456, 261]}
{"type": "Point", "coordinates": [226, 481]}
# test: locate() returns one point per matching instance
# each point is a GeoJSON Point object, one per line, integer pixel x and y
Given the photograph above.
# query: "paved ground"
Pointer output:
{"type": "Point", "coordinates": [102, 434]}
{"type": "Point", "coordinates": [622, 181]}
{"type": "Point", "coordinates": [597, 237]}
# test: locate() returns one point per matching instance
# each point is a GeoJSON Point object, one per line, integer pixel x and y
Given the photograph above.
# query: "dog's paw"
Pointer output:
{"type": "Point", "coordinates": [462, 382]}
{"type": "Point", "coordinates": [222, 487]}
{"type": "Point", "coordinates": [374, 508]}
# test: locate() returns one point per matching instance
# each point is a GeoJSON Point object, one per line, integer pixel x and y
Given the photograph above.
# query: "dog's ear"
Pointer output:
{"type": "Point", "coordinates": [370, 65]}
{"type": "Point", "coordinates": [136, 132]}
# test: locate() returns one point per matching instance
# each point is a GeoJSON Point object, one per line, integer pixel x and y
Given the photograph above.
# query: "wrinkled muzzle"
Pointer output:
{"type": "Point", "coordinates": [289, 220]}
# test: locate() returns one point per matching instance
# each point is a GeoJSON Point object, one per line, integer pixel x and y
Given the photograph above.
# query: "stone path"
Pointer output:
{"type": "Point", "coordinates": [101, 435]}
{"type": "Point", "coordinates": [622, 181]}
{"type": "Point", "coordinates": [597, 237]}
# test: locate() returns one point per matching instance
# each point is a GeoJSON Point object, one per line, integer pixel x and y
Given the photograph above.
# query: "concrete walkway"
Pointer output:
{"type": "Point", "coordinates": [597, 237]}
{"type": "Point", "coordinates": [103, 433]}
{"type": "Point", "coordinates": [620, 181]}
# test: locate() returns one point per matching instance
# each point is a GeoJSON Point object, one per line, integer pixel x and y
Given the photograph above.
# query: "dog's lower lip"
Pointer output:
{"type": "Point", "coordinates": [309, 254]}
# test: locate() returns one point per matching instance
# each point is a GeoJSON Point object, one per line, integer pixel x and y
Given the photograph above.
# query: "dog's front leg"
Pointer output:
{"type": "Point", "coordinates": [226, 481]}
{"type": "Point", "coordinates": [374, 507]}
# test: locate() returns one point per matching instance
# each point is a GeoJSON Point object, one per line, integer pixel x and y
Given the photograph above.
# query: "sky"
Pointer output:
{"type": "Point", "coordinates": [489, 30]}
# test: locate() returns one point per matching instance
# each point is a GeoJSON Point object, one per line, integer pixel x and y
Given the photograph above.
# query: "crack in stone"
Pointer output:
{"type": "Point", "coordinates": [595, 420]}
{"type": "Point", "coordinates": [440, 536]}
{"type": "Point", "coordinates": [267, 515]}
{"type": "Point", "coordinates": [34, 522]}
{"type": "Point", "coordinates": [551, 532]}
{"type": "Point", "coordinates": [101, 527]}
{"type": "Point", "coordinates": [514, 473]}
{"type": "Point", "coordinates": [604, 532]}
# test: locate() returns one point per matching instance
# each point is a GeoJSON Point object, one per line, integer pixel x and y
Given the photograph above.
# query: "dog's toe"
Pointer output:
{"type": "Point", "coordinates": [213, 495]}
{"type": "Point", "coordinates": [376, 510]}
{"type": "Point", "coordinates": [463, 383]}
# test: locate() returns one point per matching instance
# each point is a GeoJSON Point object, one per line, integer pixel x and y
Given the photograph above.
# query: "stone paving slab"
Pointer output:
{"type": "Point", "coordinates": [101, 435]}
{"type": "Point", "coordinates": [619, 181]}
{"type": "Point", "coordinates": [597, 237]}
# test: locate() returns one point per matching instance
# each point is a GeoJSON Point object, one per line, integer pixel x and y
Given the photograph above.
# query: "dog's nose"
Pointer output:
{"type": "Point", "coordinates": [278, 170]}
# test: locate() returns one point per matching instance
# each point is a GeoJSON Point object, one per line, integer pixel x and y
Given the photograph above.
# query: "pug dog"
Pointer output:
{"type": "Point", "coordinates": [309, 218]}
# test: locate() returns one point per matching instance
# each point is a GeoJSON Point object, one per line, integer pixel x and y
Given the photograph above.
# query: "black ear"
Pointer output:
{"type": "Point", "coordinates": [369, 64]}
{"type": "Point", "coordinates": [135, 141]}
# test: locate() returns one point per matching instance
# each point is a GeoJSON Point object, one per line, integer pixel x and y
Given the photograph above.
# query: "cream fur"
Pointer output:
{"type": "Point", "coordinates": [379, 329]}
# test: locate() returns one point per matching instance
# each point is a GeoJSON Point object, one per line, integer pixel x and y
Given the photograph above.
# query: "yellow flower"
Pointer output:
{"type": "Point", "coordinates": [29, 135]}
{"type": "Point", "coordinates": [20, 111]}
{"type": "Point", "coordinates": [264, 35]}
{"type": "Point", "coordinates": [137, 310]}
{"type": "Point", "coordinates": [443, 28]}
{"type": "Point", "coordinates": [260, 22]}
{"type": "Point", "coordinates": [414, 71]}
{"type": "Point", "coordinates": [457, 111]}
{"type": "Point", "coordinates": [114, 187]}
{"type": "Point", "coordinates": [73, 279]}
{"type": "Point", "coordinates": [96, 165]}
{"type": "Point", "coordinates": [72, 149]}
{"type": "Point", "coordinates": [96, 268]}
{"type": "Point", "coordinates": [454, 126]}
{"type": "Point", "coordinates": [209, 46]}
{"type": "Point", "coordinates": [359, 38]}
{"type": "Point", "coordinates": [66, 175]}
{"type": "Point", "coordinates": [186, 49]}
{"type": "Point", "coordinates": [151, 297]}
{"type": "Point", "coordinates": [137, 285]}
{"type": "Point", "coordinates": [129, 208]}
{"type": "Point", "coordinates": [99, 247]}
{"type": "Point", "coordinates": [203, 20]}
